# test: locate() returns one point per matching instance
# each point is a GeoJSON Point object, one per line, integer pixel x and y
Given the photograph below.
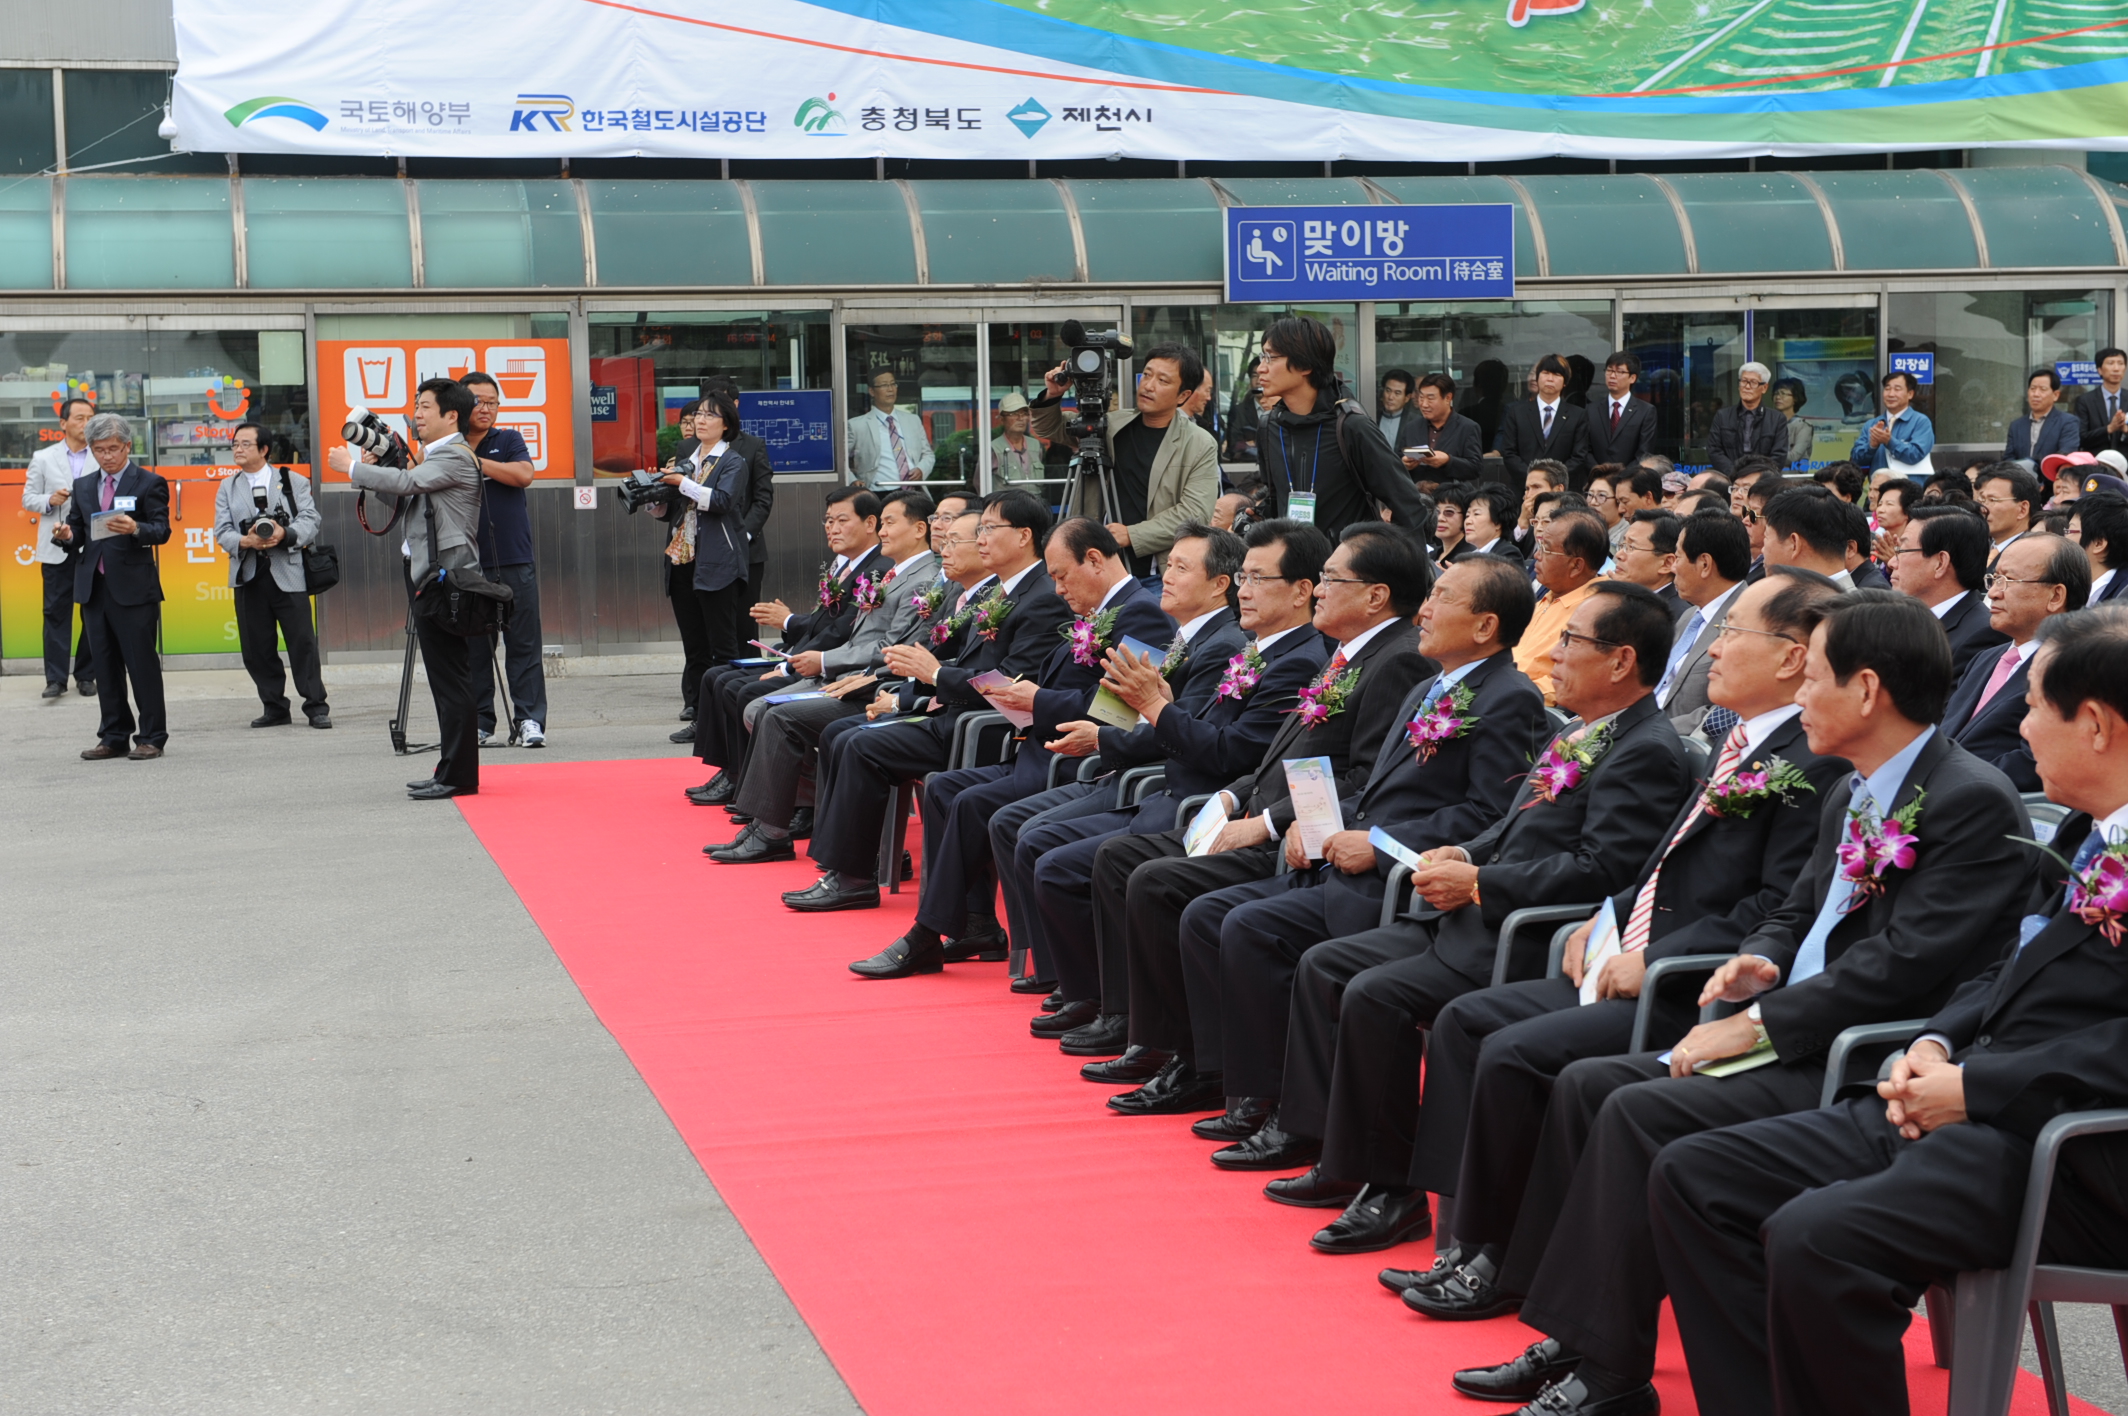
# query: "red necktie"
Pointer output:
{"type": "Point", "coordinates": [889, 579]}
{"type": "Point", "coordinates": [1616, 408]}
{"type": "Point", "coordinates": [1642, 922]}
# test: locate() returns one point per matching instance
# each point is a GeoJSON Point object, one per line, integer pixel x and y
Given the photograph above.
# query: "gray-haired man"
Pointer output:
{"type": "Point", "coordinates": [1750, 425]}
{"type": "Point", "coordinates": [117, 512]}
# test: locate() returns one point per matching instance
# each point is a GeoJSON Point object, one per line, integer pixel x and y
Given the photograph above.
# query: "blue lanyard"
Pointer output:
{"type": "Point", "coordinates": [1285, 449]}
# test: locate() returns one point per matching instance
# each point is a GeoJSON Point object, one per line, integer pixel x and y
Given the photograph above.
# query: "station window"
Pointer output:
{"type": "Point", "coordinates": [647, 364]}
{"type": "Point", "coordinates": [1489, 349]}
{"type": "Point", "coordinates": [1987, 343]}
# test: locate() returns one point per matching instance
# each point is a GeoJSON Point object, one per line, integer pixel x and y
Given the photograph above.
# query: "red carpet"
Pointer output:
{"type": "Point", "coordinates": [962, 1223]}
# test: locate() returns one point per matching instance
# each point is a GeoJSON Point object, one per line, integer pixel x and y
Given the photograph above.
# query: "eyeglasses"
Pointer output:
{"type": "Point", "coordinates": [487, 403]}
{"type": "Point", "coordinates": [1345, 580]}
{"type": "Point", "coordinates": [1568, 638]}
{"type": "Point", "coordinates": [1906, 551]}
{"type": "Point", "coordinates": [989, 526]}
{"type": "Point", "coordinates": [1267, 357]}
{"type": "Point", "coordinates": [1599, 498]}
{"type": "Point", "coordinates": [1995, 577]}
{"type": "Point", "coordinates": [960, 540]}
{"type": "Point", "coordinates": [1250, 577]}
{"type": "Point", "coordinates": [1750, 517]}
{"type": "Point", "coordinates": [1998, 501]}
{"type": "Point", "coordinates": [1730, 627]}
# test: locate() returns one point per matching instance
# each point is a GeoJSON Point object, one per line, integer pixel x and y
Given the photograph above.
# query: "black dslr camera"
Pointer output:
{"type": "Point", "coordinates": [640, 489]}
{"type": "Point", "coordinates": [373, 435]}
{"type": "Point", "coordinates": [262, 522]}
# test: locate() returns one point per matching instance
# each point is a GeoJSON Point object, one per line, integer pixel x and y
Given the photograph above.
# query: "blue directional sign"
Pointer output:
{"type": "Point", "coordinates": [1921, 366]}
{"type": "Point", "coordinates": [796, 426]}
{"type": "Point", "coordinates": [1279, 254]}
{"type": "Point", "coordinates": [2082, 372]}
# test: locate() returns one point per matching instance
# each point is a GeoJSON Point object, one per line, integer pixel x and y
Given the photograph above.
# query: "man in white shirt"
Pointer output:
{"type": "Point", "coordinates": [888, 447]}
{"type": "Point", "coordinates": [45, 489]}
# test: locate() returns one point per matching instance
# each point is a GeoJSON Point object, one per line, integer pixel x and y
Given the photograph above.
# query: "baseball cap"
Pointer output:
{"type": "Point", "coordinates": [2051, 467]}
{"type": "Point", "coordinates": [2118, 462]}
{"type": "Point", "coordinates": [1014, 402]}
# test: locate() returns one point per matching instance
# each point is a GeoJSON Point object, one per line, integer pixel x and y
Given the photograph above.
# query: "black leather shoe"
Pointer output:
{"type": "Point", "coordinates": [908, 867]}
{"type": "Point", "coordinates": [1071, 1015]}
{"type": "Point", "coordinates": [1568, 1397]}
{"type": "Point", "coordinates": [1137, 1064]}
{"type": "Point", "coordinates": [1311, 1189]}
{"type": "Point", "coordinates": [53, 690]}
{"type": "Point", "coordinates": [410, 786]}
{"type": "Point", "coordinates": [1470, 1294]}
{"type": "Point", "coordinates": [1106, 1036]}
{"type": "Point", "coordinates": [321, 720]}
{"type": "Point", "coordinates": [1540, 1364]}
{"type": "Point", "coordinates": [1242, 1118]}
{"type": "Point", "coordinates": [1052, 1001]}
{"type": "Point", "coordinates": [272, 720]}
{"type": "Point", "coordinates": [753, 847]}
{"type": "Point", "coordinates": [682, 735]}
{"type": "Point", "coordinates": [698, 789]}
{"type": "Point", "coordinates": [984, 946]}
{"type": "Point", "coordinates": [737, 817]}
{"type": "Point", "coordinates": [1037, 985]}
{"type": "Point", "coordinates": [832, 892]}
{"type": "Point", "coordinates": [1445, 1264]}
{"type": "Point", "coordinates": [802, 824]}
{"type": "Point", "coordinates": [85, 687]}
{"type": "Point", "coordinates": [1375, 1220]}
{"type": "Point", "coordinates": [899, 960]}
{"type": "Point", "coordinates": [717, 791]}
{"type": "Point", "coordinates": [1270, 1149]}
{"type": "Point", "coordinates": [746, 833]}
{"type": "Point", "coordinates": [436, 791]}
{"type": "Point", "coordinates": [1175, 1090]}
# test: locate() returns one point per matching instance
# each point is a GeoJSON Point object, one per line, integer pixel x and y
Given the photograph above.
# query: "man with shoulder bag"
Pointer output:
{"type": "Point", "coordinates": [263, 520]}
{"type": "Point", "coordinates": [452, 600]}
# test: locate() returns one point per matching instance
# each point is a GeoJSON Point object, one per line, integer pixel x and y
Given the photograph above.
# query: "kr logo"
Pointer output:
{"type": "Point", "coordinates": [72, 388]}
{"type": "Point", "coordinates": [222, 388]}
{"type": "Point", "coordinates": [553, 109]}
{"type": "Point", "coordinates": [1029, 117]}
{"type": "Point", "coordinates": [818, 119]}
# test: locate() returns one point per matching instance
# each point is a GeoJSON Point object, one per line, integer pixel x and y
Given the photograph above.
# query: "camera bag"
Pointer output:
{"type": "Point", "coordinates": [460, 601]}
{"type": "Point", "coordinates": [321, 564]}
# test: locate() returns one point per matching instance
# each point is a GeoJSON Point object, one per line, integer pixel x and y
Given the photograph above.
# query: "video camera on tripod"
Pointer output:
{"type": "Point", "coordinates": [1091, 365]}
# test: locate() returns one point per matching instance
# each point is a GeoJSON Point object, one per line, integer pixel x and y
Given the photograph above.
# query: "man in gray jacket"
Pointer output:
{"type": "Point", "coordinates": [262, 519]}
{"type": "Point", "coordinates": [45, 489]}
{"type": "Point", "coordinates": [444, 483]}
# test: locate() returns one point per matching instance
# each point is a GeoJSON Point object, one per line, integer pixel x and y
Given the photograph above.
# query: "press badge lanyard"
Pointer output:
{"type": "Point", "coordinates": [1301, 505]}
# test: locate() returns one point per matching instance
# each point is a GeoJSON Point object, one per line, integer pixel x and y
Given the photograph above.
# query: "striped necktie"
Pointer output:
{"type": "Point", "coordinates": [1642, 921]}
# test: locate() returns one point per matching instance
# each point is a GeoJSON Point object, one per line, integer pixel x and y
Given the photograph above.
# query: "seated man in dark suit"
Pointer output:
{"type": "Point", "coordinates": [2046, 430]}
{"type": "Point", "coordinates": [1941, 560]}
{"type": "Point", "coordinates": [1205, 747]}
{"type": "Point", "coordinates": [1371, 587]}
{"type": "Point", "coordinates": [1860, 568]}
{"type": "Point", "coordinates": [1090, 571]}
{"type": "Point", "coordinates": [118, 587]}
{"type": "Point", "coordinates": [1049, 906]}
{"type": "Point", "coordinates": [1936, 878]}
{"type": "Point", "coordinates": [2038, 577]}
{"type": "Point", "coordinates": [1796, 1248]}
{"type": "Point", "coordinates": [1726, 863]}
{"type": "Point", "coordinates": [719, 736]}
{"type": "Point", "coordinates": [1011, 632]}
{"type": "Point", "coordinates": [1579, 824]}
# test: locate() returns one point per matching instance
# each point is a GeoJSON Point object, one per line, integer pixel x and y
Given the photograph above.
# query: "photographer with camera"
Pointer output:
{"type": "Point", "coordinates": [1143, 473]}
{"type": "Point", "coordinates": [506, 557]}
{"type": "Point", "coordinates": [1324, 456]}
{"type": "Point", "coordinates": [263, 517]}
{"type": "Point", "coordinates": [442, 521]}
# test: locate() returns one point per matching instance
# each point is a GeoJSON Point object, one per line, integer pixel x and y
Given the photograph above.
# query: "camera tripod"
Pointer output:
{"type": "Point", "coordinates": [397, 727]}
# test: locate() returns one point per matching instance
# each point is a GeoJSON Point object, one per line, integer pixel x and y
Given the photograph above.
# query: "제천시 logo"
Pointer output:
{"type": "Point", "coordinates": [553, 109]}
{"type": "Point", "coordinates": [818, 118]}
{"type": "Point", "coordinates": [253, 109]}
{"type": "Point", "coordinates": [1029, 117]}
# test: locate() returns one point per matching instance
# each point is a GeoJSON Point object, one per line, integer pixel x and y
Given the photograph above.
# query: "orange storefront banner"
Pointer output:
{"type": "Point", "coordinates": [532, 376]}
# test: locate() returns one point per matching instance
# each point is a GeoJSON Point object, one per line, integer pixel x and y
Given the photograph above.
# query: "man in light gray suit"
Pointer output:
{"type": "Point", "coordinates": [443, 484]}
{"type": "Point", "coordinates": [53, 471]}
{"type": "Point", "coordinates": [888, 447]}
{"type": "Point", "coordinates": [262, 519]}
{"type": "Point", "coordinates": [1713, 557]}
{"type": "Point", "coordinates": [786, 733]}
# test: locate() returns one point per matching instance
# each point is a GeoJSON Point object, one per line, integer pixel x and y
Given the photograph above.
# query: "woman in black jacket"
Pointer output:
{"type": "Point", "coordinates": [708, 547]}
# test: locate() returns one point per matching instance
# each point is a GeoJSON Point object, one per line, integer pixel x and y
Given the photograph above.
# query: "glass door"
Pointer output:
{"type": "Point", "coordinates": [911, 364]}
{"type": "Point", "coordinates": [1688, 368]}
{"type": "Point", "coordinates": [1824, 364]}
{"type": "Point", "coordinates": [1021, 347]}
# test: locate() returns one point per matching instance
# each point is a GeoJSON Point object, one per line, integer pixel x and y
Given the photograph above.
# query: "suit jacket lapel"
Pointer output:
{"type": "Point", "coordinates": [2065, 933]}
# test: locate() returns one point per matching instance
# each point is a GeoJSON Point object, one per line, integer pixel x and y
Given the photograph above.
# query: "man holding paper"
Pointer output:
{"type": "Point", "coordinates": [1446, 772]}
{"type": "Point", "coordinates": [1726, 862]}
{"type": "Point", "coordinates": [1371, 587]}
{"type": "Point", "coordinates": [117, 513]}
{"type": "Point", "coordinates": [1938, 881]}
{"type": "Point", "coordinates": [1344, 1058]}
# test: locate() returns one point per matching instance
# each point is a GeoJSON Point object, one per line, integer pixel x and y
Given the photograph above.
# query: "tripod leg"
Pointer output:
{"type": "Point", "coordinates": [406, 684]}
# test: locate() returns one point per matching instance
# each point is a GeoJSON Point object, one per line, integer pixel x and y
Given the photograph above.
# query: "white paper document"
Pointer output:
{"type": "Point", "coordinates": [1205, 826]}
{"type": "Point", "coordinates": [1313, 788]}
{"type": "Point", "coordinates": [1601, 949]}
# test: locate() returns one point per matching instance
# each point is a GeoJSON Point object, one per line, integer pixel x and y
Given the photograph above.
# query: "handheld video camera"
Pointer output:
{"type": "Point", "coordinates": [373, 435]}
{"type": "Point", "coordinates": [641, 489]}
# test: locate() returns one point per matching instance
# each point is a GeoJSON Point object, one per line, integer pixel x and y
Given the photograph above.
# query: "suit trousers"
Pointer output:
{"type": "Point", "coordinates": [1795, 1248]}
{"type": "Point", "coordinates": [448, 659]}
{"type": "Point", "coordinates": [522, 646]}
{"type": "Point", "coordinates": [785, 741]}
{"type": "Point", "coordinates": [857, 777]}
{"type": "Point", "coordinates": [59, 626]}
{"type": "Point", "coordinates": [1355, 1043]}
{"type": "Point", "coordinates": [1600, 1290]}
{"type": "Point", "coordinates": [1060, 852]}
{"type": "Point", "coordinates": [720, 709]}
{"type": "Point", "coordinates": [1177, 906]}
{"type": "Point", "coordinates": [1490, 1066]}
{"type": "Point", "coordinates": [122, 646]}
{"type": "Point", "coordinates": [694, 636]}
{"type": "Point", "coordinates": [262, 610]}
{"type": "Point", "coordinates": [1143, 885]}
{"type": "Point", "coordinates": [959, 889]}
{"type": "Point", "coordinates": [1016, 884]}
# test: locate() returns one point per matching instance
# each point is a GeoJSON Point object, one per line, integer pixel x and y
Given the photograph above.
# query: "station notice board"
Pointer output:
{"type": "Point", "coordinates": [532, 378]}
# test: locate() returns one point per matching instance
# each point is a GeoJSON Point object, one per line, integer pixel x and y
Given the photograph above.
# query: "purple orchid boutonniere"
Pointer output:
{"type": "Point", "coordinates": [1448, 719]}
{"type": "Point", "coordinates": [1325, 698]}
{"type": "Point", "coordinates": [1243, 671]}
{"type": "Point", "coordinates": [832, 591]}
{"type": "Point", "coordinates": [1088, 635]}
{"type": "Point", "coordinates": [866, 593]}
{"type": "Point", "coordinates": [2099, 895]}
{"type": "Point", "coordinates": [1565, 765]}
{"type": "Point", "coordinates": [1871, 849]}
{"type": "Point", "coordinates": [1741, 793]}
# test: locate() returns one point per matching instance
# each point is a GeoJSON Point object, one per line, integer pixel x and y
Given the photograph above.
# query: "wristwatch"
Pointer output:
{"type": "Point", "coordinates": [1758, 1029]}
